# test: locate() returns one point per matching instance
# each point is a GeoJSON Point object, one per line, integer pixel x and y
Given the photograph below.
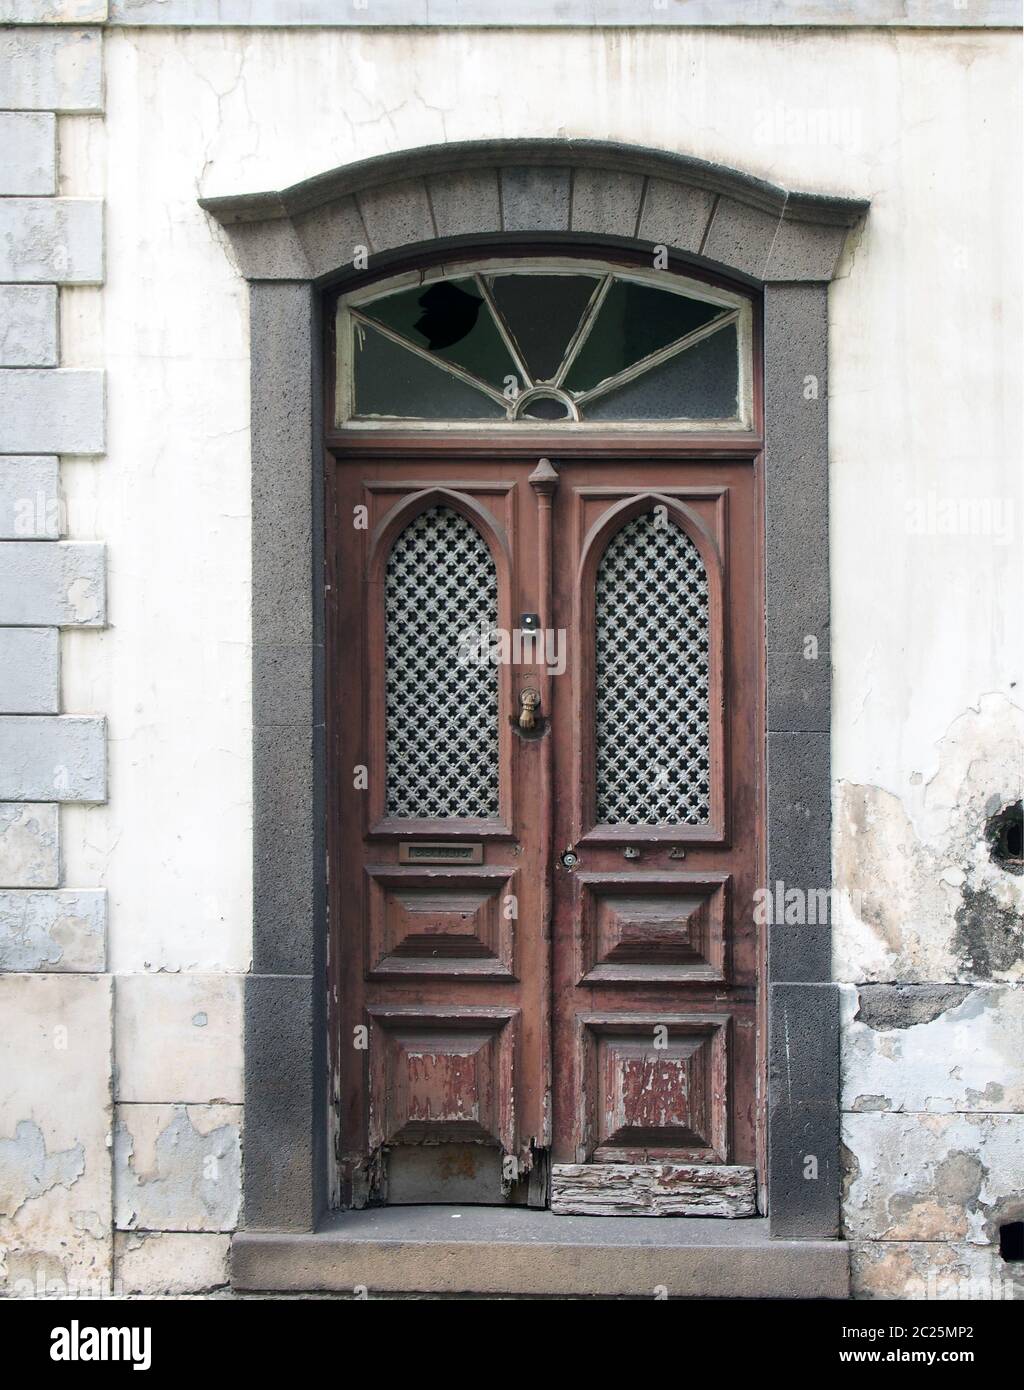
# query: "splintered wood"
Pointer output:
{"type": "Point", "coordinates": [652, 1189]}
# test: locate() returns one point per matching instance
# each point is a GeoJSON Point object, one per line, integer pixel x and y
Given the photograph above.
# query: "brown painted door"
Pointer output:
{"type": "Point", "coordinates": [544, 691]}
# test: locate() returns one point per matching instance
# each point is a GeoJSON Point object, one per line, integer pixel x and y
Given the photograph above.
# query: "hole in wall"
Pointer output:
{"type": "Point", "coordinates": [1011, 1240]}
{"type": "Point", "coordinates": [1005, 835]}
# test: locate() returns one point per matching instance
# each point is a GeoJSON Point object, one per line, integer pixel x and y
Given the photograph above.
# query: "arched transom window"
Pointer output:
{"type": "Point", "coordinates": [544, 343]}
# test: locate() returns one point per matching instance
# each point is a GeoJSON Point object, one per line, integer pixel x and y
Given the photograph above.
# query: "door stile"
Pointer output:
{"type": "Point", "coordinates": [544, 482]}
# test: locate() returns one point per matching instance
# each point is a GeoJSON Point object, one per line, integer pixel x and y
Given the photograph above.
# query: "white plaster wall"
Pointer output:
{"type": "Point", "coordinates": [172, 669]}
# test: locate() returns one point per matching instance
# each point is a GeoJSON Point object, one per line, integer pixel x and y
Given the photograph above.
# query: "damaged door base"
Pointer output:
{"type": "Point", "coordinates": [653, 1189]}
{"type": "Point", "coordinates": [471, 1174]}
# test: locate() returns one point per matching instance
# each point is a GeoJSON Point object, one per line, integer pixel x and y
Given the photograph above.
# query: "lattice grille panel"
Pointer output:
{"type": "Point", "coordinates": [441, 715]}
{"type": "Point", "coordinates": [652, 744]}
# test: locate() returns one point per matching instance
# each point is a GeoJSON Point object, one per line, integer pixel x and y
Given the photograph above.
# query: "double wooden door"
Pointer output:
{"type": "Point", "coordinates": [544, 681]}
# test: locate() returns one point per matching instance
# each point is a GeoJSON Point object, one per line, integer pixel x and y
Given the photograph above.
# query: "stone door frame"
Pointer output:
{"type": "Point", "coordinates": [293, 244]}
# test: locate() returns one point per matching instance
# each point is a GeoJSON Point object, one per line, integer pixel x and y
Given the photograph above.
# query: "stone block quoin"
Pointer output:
{"type": "Point", "coordinates": [49, 67]}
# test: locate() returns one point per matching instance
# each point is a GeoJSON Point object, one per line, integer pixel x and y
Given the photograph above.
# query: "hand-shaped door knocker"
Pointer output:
{"type": "Point", "coordinates": [529, 702]}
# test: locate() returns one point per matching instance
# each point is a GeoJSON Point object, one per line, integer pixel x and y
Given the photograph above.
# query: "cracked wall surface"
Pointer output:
{"type": "Point", "coordinates": [927, 721]}
{"type": "Point", "coordinates": [57, 1107]}
{"type": "Point", "coordinates": [932, 941]}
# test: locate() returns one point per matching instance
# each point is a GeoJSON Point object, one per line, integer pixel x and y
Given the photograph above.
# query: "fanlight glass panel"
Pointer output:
{"type": "Point", "coordinates": [633, 321]}
{"type": "Point", "coordinates": [652, 743]}
{"type": "Point", "coordinates": [441, 716]}
{"type": "Point", "coordinates": [545, 346]}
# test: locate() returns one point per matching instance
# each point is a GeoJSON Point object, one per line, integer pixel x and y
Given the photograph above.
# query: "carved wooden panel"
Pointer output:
{"type": "Point", "coordinates": [442, 1076]}
{"type": "Point", "coordinates": [440, 922]}
{"type": "Point", "coordinates": [655, 1087]}
{"type": "Point", "coordinates": [652, 927]}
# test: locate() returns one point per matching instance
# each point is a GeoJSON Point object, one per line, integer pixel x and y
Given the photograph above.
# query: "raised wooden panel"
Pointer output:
{"type": "Point", "coordinates": [440, 922]}
{"type": "Point", "coordinates": [650, 927]}
{"type": "Point", "coordinates": [442, 1076]}
{"type": "Point", "coordinates": [654, 1087]}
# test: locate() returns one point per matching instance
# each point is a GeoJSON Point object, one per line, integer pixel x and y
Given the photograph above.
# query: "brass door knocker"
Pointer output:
{"type": "Point", "coordinates": [529, 703]}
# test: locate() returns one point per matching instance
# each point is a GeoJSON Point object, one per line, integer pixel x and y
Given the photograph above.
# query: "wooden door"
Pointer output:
{"type": "Point", "coordinates": [545, 715]}
{"type": "Point", "coordinates": [657, 815]}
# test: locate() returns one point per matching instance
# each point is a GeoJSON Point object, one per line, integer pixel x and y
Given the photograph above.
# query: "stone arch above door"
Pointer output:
{"type": "Point", "coordinates": [562, 189]}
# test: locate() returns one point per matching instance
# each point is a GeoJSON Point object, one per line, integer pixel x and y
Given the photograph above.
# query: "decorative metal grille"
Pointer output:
{"type": "Point", "coordinates": [652, 745]}
{"type": "Point", "coordinates": [441, 715]}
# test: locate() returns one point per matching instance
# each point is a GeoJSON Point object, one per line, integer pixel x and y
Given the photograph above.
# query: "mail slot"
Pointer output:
{"type": "Point", "coordinates": [440, 852]}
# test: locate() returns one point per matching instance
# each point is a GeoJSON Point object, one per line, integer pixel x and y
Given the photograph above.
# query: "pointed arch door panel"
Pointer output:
{"type": "Point", "coordinates": [546, 763]}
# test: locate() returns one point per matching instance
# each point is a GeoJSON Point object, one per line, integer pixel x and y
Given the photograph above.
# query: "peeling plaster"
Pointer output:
{"type": "Point", "coordinates": [55, 1179]}
{"type": "Point", "coordinates": [863, 1103]}
{"type": "Point", "coordinates": [924, 901]}
{"type": "Point", "coordinates": [177, 1168]}
{"type": "Point", "coordinates": [905, 1006]}
{"type": "Point", "coordinates": [966, 1057]}
{"type": "Point", "coordinates": [27, 1171]}
{"type": "Point", "coordinates": [28, 845]}
{"type": "Point", "coordinates": [920, 1270]}
{"type": "Point", "coordinates": [931, 1177]}
{"type": "Point", "coordinates": [85, 599]}
{"type": "Point", "coordinates": [51, 931]}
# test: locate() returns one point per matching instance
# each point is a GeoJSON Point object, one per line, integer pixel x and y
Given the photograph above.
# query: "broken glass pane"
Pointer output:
{"type": "Point", "coordinates": [390, 380]}
{"type": "Point", "coordinates": [450, 318]}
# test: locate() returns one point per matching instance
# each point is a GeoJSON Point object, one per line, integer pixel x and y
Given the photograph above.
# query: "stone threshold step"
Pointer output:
{"type": "Point", "coordinates": [500, 1250]}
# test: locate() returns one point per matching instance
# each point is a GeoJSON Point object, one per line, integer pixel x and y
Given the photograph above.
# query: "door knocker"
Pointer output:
{"type": "Point", "coordinates": [529, 703]}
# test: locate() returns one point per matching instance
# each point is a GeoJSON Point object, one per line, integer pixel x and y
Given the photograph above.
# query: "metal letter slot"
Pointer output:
{"type": "Point", "coordinates": [440, 852]}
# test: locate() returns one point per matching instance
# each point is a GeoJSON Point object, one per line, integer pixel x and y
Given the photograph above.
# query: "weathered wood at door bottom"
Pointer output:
{"type": "Point", "coordinates": [652, 1189]}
